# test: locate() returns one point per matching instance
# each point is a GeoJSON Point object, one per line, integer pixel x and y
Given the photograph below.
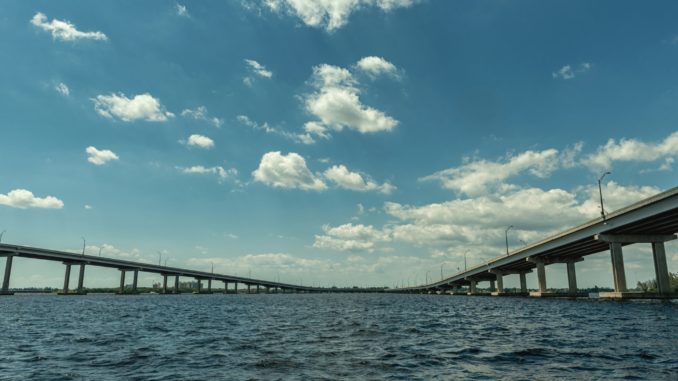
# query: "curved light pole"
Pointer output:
{"type": "Point", "coordinates": [506, 235]}
{"type": "Point", "coordinates": [427, 271]}
{"type": "Point", "coordinates": [159, 257]}
{"type": "Point", "coordinates": [600, 192]}
{"type": "Point", "coordinates": [100, 251]}
{"type": "Point", "coordinates": [466, 252]}
{"type": "Point", "coordinates": [441, 271]}
{"type": "Point", "coordinates": [83, 245]}
{"type": "Point", "coordinates": [1, 234]}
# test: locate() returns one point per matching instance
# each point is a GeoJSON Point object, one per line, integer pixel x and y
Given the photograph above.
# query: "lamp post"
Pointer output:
{"type": "Point", "coordinates": [159, 258]}
{"type": "Point", "coordinates": [100, 251]}
{"type": "Point", "coordinates": [427, 271]}
{"type": "Point", "coordinates": [466, 252]}
{"type": "Point", "coordinates": [506, 235]}
{"type": "Point", "coordinates": [83, 246]}
{"type": "Point", "coordinates": [1, 234]}
{"type": "Point", "coordinates": [600, 192]}
{"type": "Point", "coordinates": [441, 271]}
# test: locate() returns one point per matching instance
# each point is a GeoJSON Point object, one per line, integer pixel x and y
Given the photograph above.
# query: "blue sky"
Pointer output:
{"type": "Point", "coordinates": [362, 142]}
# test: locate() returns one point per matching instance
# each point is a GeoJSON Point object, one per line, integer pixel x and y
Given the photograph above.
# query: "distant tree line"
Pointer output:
{"type": "Point", "coordinates": [651, 285]}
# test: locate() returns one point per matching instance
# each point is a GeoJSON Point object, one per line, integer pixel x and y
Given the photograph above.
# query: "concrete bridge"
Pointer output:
{"type": "Point", "coordinates": [81, 262]}
{"type": "Point", "coordinates": [652, 221]}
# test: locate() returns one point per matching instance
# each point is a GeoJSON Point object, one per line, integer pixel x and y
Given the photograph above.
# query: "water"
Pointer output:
{"type": "Point", "coordinates": [350, 336]}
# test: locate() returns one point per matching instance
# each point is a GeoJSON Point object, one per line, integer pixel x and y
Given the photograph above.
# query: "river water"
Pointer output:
{"type": "Point", "coordinates": [327, 336]}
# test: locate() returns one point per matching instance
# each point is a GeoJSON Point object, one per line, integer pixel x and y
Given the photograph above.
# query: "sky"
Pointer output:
{"type": "Point", "coordinates": [330, 143]}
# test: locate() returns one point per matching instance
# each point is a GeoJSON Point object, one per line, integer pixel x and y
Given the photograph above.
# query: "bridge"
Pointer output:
{"type": "Point", "coordinates": [82, 261]}
{"type": "Point", "coordinates": [651, 221]}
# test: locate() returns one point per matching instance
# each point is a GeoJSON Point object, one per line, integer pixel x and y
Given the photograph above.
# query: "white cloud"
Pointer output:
{"type": "Point", "coordinates": [200, 113]}
{"type": "Point", "coordinates": [141, 107]}
{"type": "Point", "coordinates": [476, 177]}
{"type": "Point", "coordinates": [62, 89]}
{"type": "Point", "coordinates": [200, 141]}
{"type": "Point", "coordinates": [258, 69]}
{"type": "Point", "coordinates": [329, 14]}
{"type": "Point", "coordinates": [100, 157]}
{"type": "Point", "coordinates": [299, 138]}
{"type": "Point", "coordinates": [181, 10]}
{"type": "Point", "coordinates": [110, 251]}
{"type": "Point", "coordinates": [350, 237]}
{"type": "Point", "coordinates": [64, 30]}
{"type": "Point", "coordinates": [634, 150]}
{"type": "Point", "coordinates": [569, 72]}
{"type": "Point", "coordinates": [337, 104]}
{"type": "Point", "coordinates": [22, 199]}
{"type": "Point", "coordinates": [346, 179]}
{"type": "Point", "coordinates": [287, 171]}
{"type": "Point", "coordinates": [88, 207]}
{"type": "Point", "coordinates": [220, 172]}
{"type": "Point", "coordinates": [375, 66]}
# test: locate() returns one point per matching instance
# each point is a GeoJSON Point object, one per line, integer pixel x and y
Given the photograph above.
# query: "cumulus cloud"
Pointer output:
{"type": "Point", "coordinates": [100, 157]}
{"type": "Point", "coordinates": [328, 14]}
{"type": "Point", "coordinates": [200, 113]}
{"type": "Point", "coordinates": [64, 30]}
{"type": "Point", "coordinates": [258, 69]}
{"type": "Point", "coordinates": [336, 103]}
{"type": "Point", "coordinates": [219, 171]}
{"type": "Point", "coordinates": [476, 177]}
{"type": "Point", "coordinates": [181, 10]}
{"type": "Point", "coordinates": [305, 138]}
{"type": "Point", "coordinates": [350, 237]}
{"type": "Point", "coordinates": [22, 199]}
{"type": "Point", "coordinates": [200, 141]}
{"type": "Point", "coordinates": [287, 171]}
{"type": "Point", "coordinates": [62, 89]}
{"type": "Point", "coordinates": [346, 179]}
{"type": "Point", "coordinates": [375, 66]}
{"type": "Point", "coordinates": [141, 107]}
{"type": "Point", "coordinates": [568, 72]}
{"type": "Point", "coordinates": [634, 150]}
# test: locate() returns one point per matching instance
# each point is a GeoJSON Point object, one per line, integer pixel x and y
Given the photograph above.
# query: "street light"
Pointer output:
{"type": "Point", "coordinates": [441, 271]}
{"type": "Point", "coordinates": [506, 234]}
{"type": "Point", "coordinates": [159, 258]}
{"type": "Point", "coordinates": [600, 191]}
{"type": "Point", "coordinates": [466, 252]}
{"type": "Point", "coordinates": [1, 234]}
{"type": "Point", "coordinates": [427, 271]}
{"type": "Point", "coordinates": [100, 251]}
{"type": "Point", "coordinates": [83, 245]}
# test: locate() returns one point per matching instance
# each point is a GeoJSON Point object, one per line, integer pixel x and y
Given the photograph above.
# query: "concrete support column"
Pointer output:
{"type": "Point", "coordinates": [199, 286]}
{"type": "Point", "coordinates": [209, 285]}
{"type": "Point", "coordinates": [257, 289]}
{"type": "Point", "coordinates": [268, 290]}
{"type": "Point", "coordinates": [500, 282]}
{"type": "Point", "coordinates": [67, 278]}
{"type": "Point", "coordinates": [81, 278]}
{"type": "Point", "coordinates": [661, 270]}
{"type": "Point", "coordinates": [164, 283]}
{"type": "Point", "coordinates": [176, 284]}
{"type": "Point", "coordinates": [618, 267]}
{"type": "Point", "coordinates": [571, 277]}
{"type": "Point", "coordinates": [472, 287]}
{"type": "Point", "coordinates": [248, 288]}
{"type": "Point", "coordinates": [523, 283]}
{"type": "Point", "coordinates": [122, 281]}
{"type": "Point", "coordinates": [8, 273]}
{"type": "Point", "coordinates": [134, 280]}
{"type": "Point", "coordinates": [225, 287]}
{"type": "Point", "coordinates": [235, 288]}
{"type": "Point", "coordinates": [492, 288]}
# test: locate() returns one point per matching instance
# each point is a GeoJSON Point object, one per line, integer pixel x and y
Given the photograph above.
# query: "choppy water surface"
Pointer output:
{"type": "Point", "coordinates": [360, 336]}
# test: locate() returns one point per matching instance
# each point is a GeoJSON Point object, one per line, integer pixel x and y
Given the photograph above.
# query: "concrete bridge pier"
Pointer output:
{"type": "Point", "coordinates": [658, 255]}
{"type": "Point", "coordinates": [492, 287]}
{"type": "Point", "coordinates": [523, 282]}
{"type": "Point", "coordinates": [176, 284]}
{"type": "Point", "coordinates": [541, 276]}
{"type": "Point", "coordinates": [248, 288]}
{"type": "Point", "coordinates": [209, 286]}
{"type": "Point", "coordinates": [500, 283]}
{"type": "Point", "coordinates": [81, 280]}
{"type": "Point", "coordinates": [135, 281]}
{"type": "Point", "coordinates": [268, 290]}
{"type": "Point", "coordinates": [8, 273]}
{"type": "Point", "coordinates": [472, 287]}
{"type": "Point", "coordinates": [225, 287]}
{"type": "Point", "coordinates": [121, 290]}
{"type": "Point", "coordinates": [572, 278]}
{"type": "Point", "coordinates": [199, 285]}
{"type": "Point", "coordinates": [257, 289]}
{"type": "Point", "coordinates": [164, 283]}
{"type": "Point", "coordinates": [235, 288]}
{"type": "Point", "coordinates": [67, 280]}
